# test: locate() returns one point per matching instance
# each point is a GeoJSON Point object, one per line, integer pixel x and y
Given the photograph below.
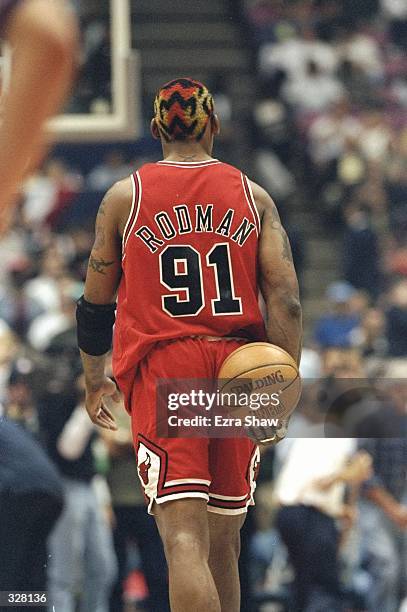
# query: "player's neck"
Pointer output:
{"type": "Point", "coordinates": [186, 152]}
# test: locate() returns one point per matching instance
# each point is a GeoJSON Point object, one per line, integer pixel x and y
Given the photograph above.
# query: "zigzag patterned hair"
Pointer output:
{"type": "Point", "coordinates": [182, 109]}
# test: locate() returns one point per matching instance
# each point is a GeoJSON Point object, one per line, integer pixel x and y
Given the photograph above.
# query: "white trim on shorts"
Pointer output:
{"type": "Point", "coordinates": [171, 483]}
{"type": "Point", "coordinates": [230, 511]}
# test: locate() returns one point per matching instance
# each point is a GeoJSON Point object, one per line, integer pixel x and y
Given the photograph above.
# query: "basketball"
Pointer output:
{"type": "Point", "coordinates": [258, 371]}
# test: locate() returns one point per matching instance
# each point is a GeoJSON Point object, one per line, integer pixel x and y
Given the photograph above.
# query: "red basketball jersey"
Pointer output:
{"type": "Point", "coordinates": [189, 260]}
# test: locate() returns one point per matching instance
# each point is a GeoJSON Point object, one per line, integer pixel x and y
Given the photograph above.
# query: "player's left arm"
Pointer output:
{"type": "Point", "coordinates": [96, 308]}
{"type": "Point", "coordinates": [278, 279]}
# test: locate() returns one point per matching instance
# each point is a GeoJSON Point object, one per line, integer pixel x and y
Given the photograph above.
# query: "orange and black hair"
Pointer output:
{"type": "Point", "coordinates": [182, 109]}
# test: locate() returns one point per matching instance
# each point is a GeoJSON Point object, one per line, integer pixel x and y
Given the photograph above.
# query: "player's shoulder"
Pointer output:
{"type": "Point", "coordinates": [263, 200]}
{"type": "Point", "coordinates": [117, 204]}
{"type": "Point", "coordinates": [228, 168]}
{"type": "Point", "coordinates": [120, 190]}
{"type": "Point", "coordinates": [117, 201]}
{"type": "Point", "coordinates": [148, 167]}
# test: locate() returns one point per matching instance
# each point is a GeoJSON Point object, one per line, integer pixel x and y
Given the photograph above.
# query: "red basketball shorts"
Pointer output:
{"type": "Point", "coordinates": [220, 470]}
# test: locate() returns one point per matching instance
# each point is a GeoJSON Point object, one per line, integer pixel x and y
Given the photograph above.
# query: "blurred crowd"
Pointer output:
{"type": "Point", "coordinates": [330, 137]}
{"type": "Point", "coordinates": [330, 123]}
{"type": "Point", "coordinates": [329, 531]}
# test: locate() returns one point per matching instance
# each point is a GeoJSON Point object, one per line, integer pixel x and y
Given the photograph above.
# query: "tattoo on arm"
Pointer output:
{"type": "Point", "coordinates": [287, 253]}
{"type": "Point", "coordinates": [100, 230]}
{"type": "Point", "coordinates": [100, 239]}
{"type": "Point", "coordinates": [94, 368]}
{"type": "Point", "coordinates": [276, 226]}
{"type": "Point", "coordinates": [102, 206]}
{"type": "Point", "coordinates": [99, 265]}
{"type": "Point", "coordinates": [275, 217]}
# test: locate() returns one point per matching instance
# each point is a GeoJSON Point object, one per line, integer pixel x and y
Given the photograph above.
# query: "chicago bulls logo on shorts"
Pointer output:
{"type": "Point", "coordinates": [143, 469]}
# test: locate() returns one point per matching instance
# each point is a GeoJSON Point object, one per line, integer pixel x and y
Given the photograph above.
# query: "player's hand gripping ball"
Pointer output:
{"type": "Point", "coordinates": [260, 384]}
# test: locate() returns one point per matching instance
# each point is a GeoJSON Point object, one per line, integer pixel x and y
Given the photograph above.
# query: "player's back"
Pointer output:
{"type": "Point", "coordinates": [189, 258]}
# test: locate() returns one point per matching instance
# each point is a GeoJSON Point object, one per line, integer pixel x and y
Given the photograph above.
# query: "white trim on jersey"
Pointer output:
{"type": "Point", "coordinates": [252, 207]}
{"type": "Point", "coordinates": [254, 203]}
{"type": "Point", "coordinates": [133, 201]}
{"type": "Point", "coordinates": [140, 191]}
{"type": "Point", "coordinates": [196, 164]}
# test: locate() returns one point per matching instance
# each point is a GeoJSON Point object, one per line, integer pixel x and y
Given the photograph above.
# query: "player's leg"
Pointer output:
{"type": "Point", "coordinates": [174, 473]}
{"type": "Point", "coordinates": [233, 467]}
{"type": "Point", "coordinates": [43, 67]}
{"type": "Point", "coordinates": [184, 530]}
{"type": "Point", "coordinates": [224, 534]}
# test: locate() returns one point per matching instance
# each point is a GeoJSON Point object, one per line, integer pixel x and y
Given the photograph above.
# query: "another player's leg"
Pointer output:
{"type": "Point", "coordinates": [224, 534]}
{"type": "Point", "coordinates": [43, 68]}
{"type": "Point", "coordinates": [183, 526]}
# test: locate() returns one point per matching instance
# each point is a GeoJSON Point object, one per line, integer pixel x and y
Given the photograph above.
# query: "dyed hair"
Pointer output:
{"type": "Point", "coordinates": [182, 109]}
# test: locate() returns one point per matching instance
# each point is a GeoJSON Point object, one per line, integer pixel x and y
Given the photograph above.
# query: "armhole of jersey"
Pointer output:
{"type": "Point", "coordinates": [251, 202]}
{"type": "Point", "coordinates": [134, 210]}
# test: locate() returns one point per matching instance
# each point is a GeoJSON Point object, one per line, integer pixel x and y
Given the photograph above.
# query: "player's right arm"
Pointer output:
{"type": "Point", "coordinates": [278, 279]}
{"type": "Point", "coordinates": [43, 35]}
{"type": "Point", "coordinates": [95, 310]}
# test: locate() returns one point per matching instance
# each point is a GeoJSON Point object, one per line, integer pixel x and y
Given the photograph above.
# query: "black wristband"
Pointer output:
{"type": "Point", "coordinates": [94, 326]}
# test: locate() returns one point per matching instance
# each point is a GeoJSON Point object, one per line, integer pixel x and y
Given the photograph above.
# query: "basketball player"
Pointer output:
{"type": "Point", "coordinates": [187, 242]}
{"type": "Point", "coordinates": [43, 36]}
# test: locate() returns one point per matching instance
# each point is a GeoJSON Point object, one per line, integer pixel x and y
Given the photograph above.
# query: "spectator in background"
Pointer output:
{"type": "Point", "coordinates": [17, 308]}
{"type": "Point", "coordinates": [31, 500]}
{"type": "Point", "coordinates": [48, 193]}
{"type": "Point", "coordinates": [82, 561]}
{"type": "Point", "coordinates": [112, 169]}
{"type": "Point", "coordinates": [351, 168]}
{"type": "Point", "coordinates": [334, 329]}
{"type": "Point", "coordinates": [341, 362]}
{"type": "Point", "coordinates": [20, 405]}
{"type": "Point", "coordinates": [359, 48]}
{"type": "Point", "coordinates": [131, 522]}
{"type": "Point", "coordinates": [8, 352]}
{"type": "Point", "coordinates": [396, 255]}
{"type": "Point", "coordinates": [294, 52]}
{"type": "Point", "coordinates": [383, 508]}
{"type": "Point", "coordinates": [81, 244]}
{"type": "Point", "coordinates": [272, 122]}
{"type": "Point", "coordinates": [396, 319]}
{"type": "Point", "coordinates": [314, 91]}
{"type": "Point", "coordinates": [370, 336]}
{"type": "Point", "coordinates": [67, 186]}
{"type": "Point", "coordinates": [376, 135]}
{"type": "Point", "coordinates": [356, 82]}
{"type": "Point", "coordinates": [44, 288]}
{"type": "Point", "coordinates": [40, 194]}
{"type": "Point", "coordinates": [396, 183]}
{"type": "Point", "coordinates": [311, 497]}
{"type": "Point", "coordinates": [396, 11]}
{"type": "Point", "coordinates": [45, 328]}
{"type": "Point", "coordinates": [327, 136]}
{"type": "Point", "coordinates": [274, 175]}
{"type": "Point", "coordinates": [361, 252]}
